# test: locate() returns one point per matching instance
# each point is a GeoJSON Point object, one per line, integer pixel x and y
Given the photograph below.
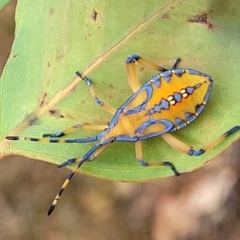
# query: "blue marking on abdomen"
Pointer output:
{"type": "Point", "coordinates": [180, 123]}
{"type": "Point", "coordinates": [146, 87]}
{"type": "Point", "coordinates": [156, 80]}
{"type": "Point", "coordinates": [190, 117]}
{"type": "Point", "coordinates": [125, 138]}
{"type": "Point", "coordinates": [166, 75]}
{"type": "Point", "coordinates": [206, 97]}
{"type": "Point", "coordinates": [169, 128]}
{"type": "Point", "coordinates": [164, 104]}
{"type": "Point", "coordinates": [190, 90]}
{"type": "Point", "coordinates": [179, 71]}
{"type": "Point", "coordinates": [177, 96]}
{"type": "Point", "coordinates": [195, 72]}
{"type": "Point", "coordinates": [199, 108]}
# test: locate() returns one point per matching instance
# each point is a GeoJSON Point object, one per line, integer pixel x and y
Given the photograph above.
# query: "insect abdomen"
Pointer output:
{"type": "Point", "coordinates": [167, 102]}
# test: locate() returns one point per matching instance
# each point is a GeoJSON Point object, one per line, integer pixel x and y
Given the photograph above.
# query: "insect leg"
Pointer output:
{"type": "Point", "coordinates": [83, 126]}
{"type": "Point", "coordinates": [97, 149]}
{"type": "Point", "coordinates": [131, 69]}
{"type": "Point", "coordinates": [50, 140]}
{"type": "Point", "coordinates": [183, 147]}
{"type": "Point", "coordinates": [176, 143]}
{"type": "Point", "coordinates": [105, 106]}
{"type": "Point", "coordinates": [132, 74]}
{"type": "Point", "coordinates": [132, 58]}
{"type": "Point", "coordinates": [217, 140]}
{"type": "Point", "coordinates": [77, 160]}
{"type": "Point", "coordinates": [139, 156]}
{"type": "Point", "coordinates": [175, 63]}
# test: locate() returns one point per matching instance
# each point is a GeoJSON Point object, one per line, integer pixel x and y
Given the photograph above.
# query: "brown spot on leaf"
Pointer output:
{"type": "Point", "coordinates": [30, 122]}
{"type": "Point", "coordinates": [51, 11]}
{"type": "Point", "coordinates": [56, 113]}
{"type": "Point", "coordinates": [87, 36]}
{"type": "Point", "coordinates": [94, 15]}
{"type": "Point", "coordinates": [74, 88]}
{"type": "Point", "coordinates": [199, 18]}
{"type": "Point", "coordinates": [59, 57]}
{"type": "Point", "coordinates": [210, 26]}
{"type": "Point", "coordinates": [165, 16]}
{"type": "Point", "coordinates": [42, 99]}
{"type": "Point", "coordinates": [203, 19]}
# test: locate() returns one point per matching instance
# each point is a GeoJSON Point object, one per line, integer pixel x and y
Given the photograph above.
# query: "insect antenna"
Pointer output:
{"type": "Point", "coordinates": [64, 185]}
{"type": "Point", "coordinates": [86, 157]}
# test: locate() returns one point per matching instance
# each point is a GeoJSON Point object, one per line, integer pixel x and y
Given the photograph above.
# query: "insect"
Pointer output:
{"type": "Point", "coordinates": [169, 101]}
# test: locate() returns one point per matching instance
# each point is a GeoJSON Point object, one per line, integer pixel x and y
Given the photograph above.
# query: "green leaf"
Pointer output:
{"type": "Point", "coordinates": [3, 3]}
{"type": "Point", "coordinates": [40, 93]}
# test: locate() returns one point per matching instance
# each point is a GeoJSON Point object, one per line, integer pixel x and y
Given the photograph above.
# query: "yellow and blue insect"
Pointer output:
{"type": "Point", "coordinates": [167, 102]}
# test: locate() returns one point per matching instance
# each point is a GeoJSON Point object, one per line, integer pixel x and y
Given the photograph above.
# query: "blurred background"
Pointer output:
{"type": "Point", "coordinates": [204, 204]}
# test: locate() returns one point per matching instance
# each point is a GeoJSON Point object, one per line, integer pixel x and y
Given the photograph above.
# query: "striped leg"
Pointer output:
{"type": "Point", "coordinates": [185, 148]}
{"type": "Point", "coordinates": [50, 140]}
{"type": "Point", "coordinates": [83, 126]}
{"type": "Point", "coordinates": [77, 160]}
{"type": "Point", "coordinates": [63, 133]}
{"type": "Point", "coordinates": [90, 155]}
{"type": "Point", "coordinates": [139, 156]}
{"type": "Point", "coordinates": [131, 69]}
{"type": "Point", "coordinates": [105, 106]}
